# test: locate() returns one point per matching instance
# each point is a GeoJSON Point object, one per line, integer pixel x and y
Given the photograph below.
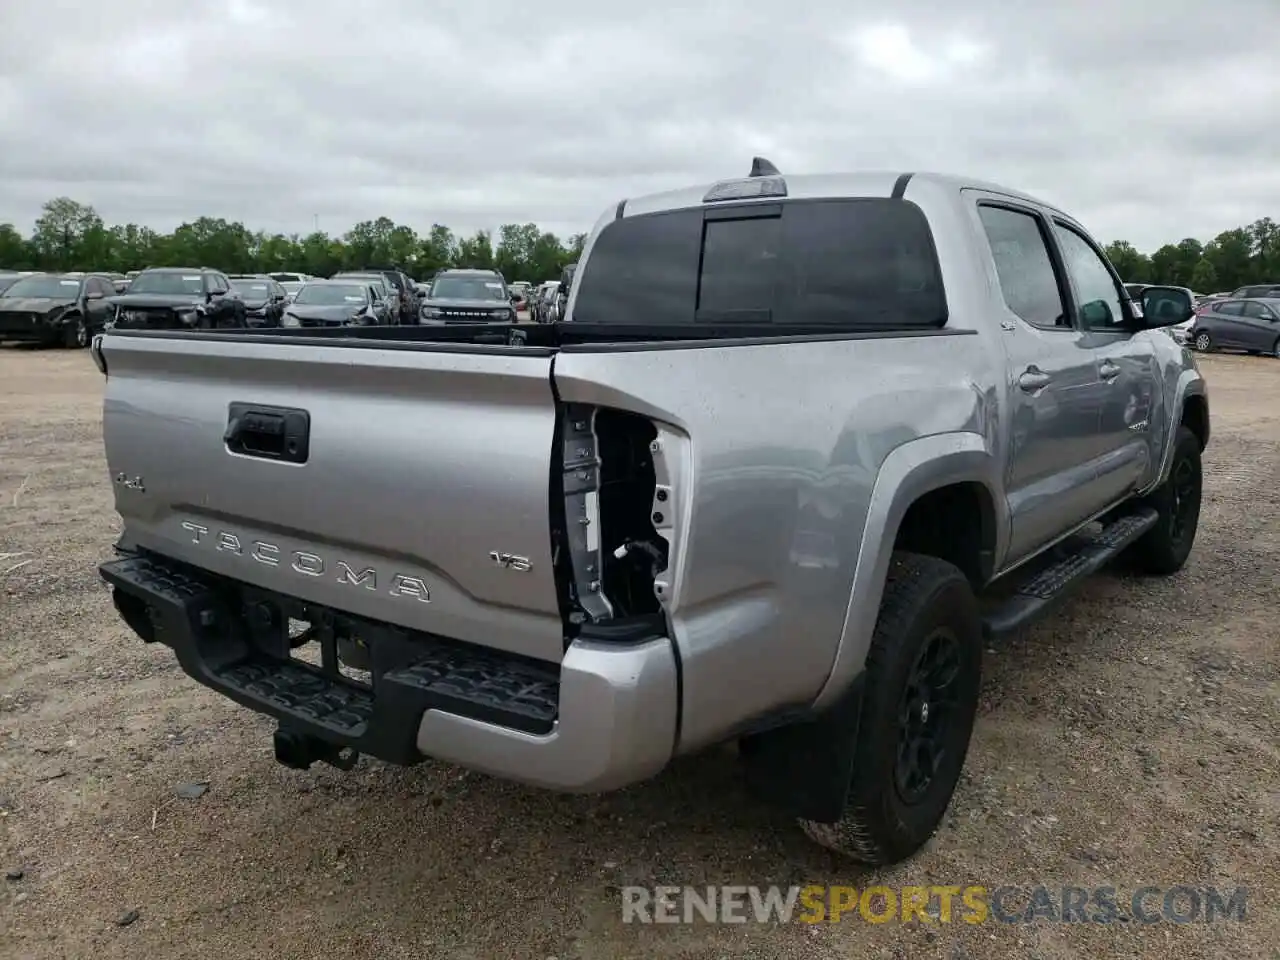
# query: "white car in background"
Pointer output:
{"type": "Point", "coordinates": [292, 283]}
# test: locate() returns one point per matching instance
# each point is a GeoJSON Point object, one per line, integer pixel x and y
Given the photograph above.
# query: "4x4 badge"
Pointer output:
{"type": "Point", "coordinates": [509, 561]}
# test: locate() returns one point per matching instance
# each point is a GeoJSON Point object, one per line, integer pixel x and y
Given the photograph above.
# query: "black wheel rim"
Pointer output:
{"type": "Point", "coordinates": [1184, 488]}
{"type": "Point", "coordinates": [928, 704]}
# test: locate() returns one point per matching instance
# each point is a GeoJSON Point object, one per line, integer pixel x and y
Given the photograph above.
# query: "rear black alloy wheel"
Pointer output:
{"type": "Point", "coordinates": [926, 709]}
{"type": "Point", "coordinates": [923, 677]}
{"type": "Point", "coordinates": [1203, 342]}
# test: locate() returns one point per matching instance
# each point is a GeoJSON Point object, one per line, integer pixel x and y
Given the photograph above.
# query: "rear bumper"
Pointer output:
{"type": "Point", "coordinates": [603, 718]}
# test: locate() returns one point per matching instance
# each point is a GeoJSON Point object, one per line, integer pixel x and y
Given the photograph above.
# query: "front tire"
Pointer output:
{"type": "Point", "coordinates": [924, 673]}
{"type": "Point", "coordinates": [1164, 548]}
{"type": "Point", "coordinates": [76, 335]}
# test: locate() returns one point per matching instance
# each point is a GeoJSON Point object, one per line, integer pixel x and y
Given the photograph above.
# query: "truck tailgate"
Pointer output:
{"type": "Point", "coordinates": [423, 490]}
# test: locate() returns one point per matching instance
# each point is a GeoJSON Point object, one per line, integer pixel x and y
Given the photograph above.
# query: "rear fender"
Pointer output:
{"type": "Point", "coordinates": [909, 472]}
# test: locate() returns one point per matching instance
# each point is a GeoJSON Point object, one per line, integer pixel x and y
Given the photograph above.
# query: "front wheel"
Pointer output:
{"type": "Point", "coordinates": [1203, 342]}
{"type": "Point", "coordinates": [923, 675]}
{"type": "Point", "coordinates": [1164, 548]}
{"type": "Point", "coordinates": [76, 335]}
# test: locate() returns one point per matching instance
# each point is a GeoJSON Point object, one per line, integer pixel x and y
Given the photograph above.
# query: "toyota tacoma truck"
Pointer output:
{"type": "Point", "coordinates": [801, 447]}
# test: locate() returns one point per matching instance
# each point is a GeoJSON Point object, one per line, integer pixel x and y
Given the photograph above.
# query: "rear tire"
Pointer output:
{"type": "Point", "coordinates": [924, 672]}
{"type": "Point", "coordinates": [1163, 550]}
{"type": "Point", "coordinates": [1275, 348]}
{"type": "Point", "coordinates": [1203, 342]}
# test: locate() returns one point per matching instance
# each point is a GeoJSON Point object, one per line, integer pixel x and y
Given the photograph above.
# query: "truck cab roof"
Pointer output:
{"type": "Point", "coordinates": [817, 186]}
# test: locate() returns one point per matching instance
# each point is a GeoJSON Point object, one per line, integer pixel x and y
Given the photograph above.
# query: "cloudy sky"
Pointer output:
{"type": "Point", "coordinates": [1148, 120]}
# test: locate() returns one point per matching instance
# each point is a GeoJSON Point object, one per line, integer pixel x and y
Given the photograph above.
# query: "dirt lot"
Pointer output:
{"type": "Point", "coordinates": [1133, 740]}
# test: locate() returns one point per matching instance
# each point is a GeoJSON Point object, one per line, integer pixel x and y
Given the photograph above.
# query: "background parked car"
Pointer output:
{"type": "Point", "coordinates": [544, 299]}
{"type": "Point", "coordinates": [291, 282]}
{"type": "Point", "coordinates": [1257, 291]}
{"type": "Point", "coordinates": [169, 298]}
{"type": "Point", "coordinates": [55, 308]}
{"type": "Point", "coordinates": [563, 291]}
{"type": "Point", "coordinates": [401, 291]}
{"type": "Point", "coordinates": [386, 290]}
{"type": "Point", "coordinates": [468, 296]}
{"type": "Point", "coordinates": [338, 302]}
{"type": "Point", "coordinates": [1249, 325]}
{"type": "Point", "coordinates": [264, 298]}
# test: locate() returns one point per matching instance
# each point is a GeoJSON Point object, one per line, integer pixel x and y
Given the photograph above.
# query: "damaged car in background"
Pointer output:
{"type": "Point", "coordinates": [55, 309]}
{"type": "Point", "coordinates": [179, 298]}
{"type": "Point", "coordinates": [264, 299]}
{"type": "Point", "coordinates": [338, 303]}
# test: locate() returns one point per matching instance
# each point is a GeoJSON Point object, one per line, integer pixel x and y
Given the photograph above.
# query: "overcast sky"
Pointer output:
{"type": "Point", "coordinates": [1148, 120]}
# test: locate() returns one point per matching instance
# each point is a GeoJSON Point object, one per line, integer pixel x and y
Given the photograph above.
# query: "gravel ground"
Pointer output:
{"type": "Point", "coordinates": [1132, 740]}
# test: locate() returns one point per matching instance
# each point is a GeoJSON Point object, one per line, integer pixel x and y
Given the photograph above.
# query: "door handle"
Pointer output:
{"type": "Point", "coordinates": [1033, 379]}
{"type": "Point", "coordinates": [1108, 370]}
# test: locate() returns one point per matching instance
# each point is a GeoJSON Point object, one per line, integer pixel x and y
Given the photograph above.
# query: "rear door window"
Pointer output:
{"type": "Point", "coordinates": [858, 264]}
{"type": "Point", "coordinates": [1232, 308]}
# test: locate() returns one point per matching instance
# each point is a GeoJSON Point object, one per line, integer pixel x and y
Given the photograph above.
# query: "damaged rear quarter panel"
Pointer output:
{"type": "Point", "coordinates": [785, 443]}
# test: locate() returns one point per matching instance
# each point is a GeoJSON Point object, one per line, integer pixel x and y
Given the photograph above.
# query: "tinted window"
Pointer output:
{"type": "Point", "coordinates": [98, 285]}
{"type": "Point", "coordinates": [1027, 278]}
{"type": "Point", "coordinates": [1231, 309]}
{"type": "Point", "coordinates": [739, 268]}
{"type": "Point", "coordinates": [1096, 290]}
{"type": "Point", "coordinates": [858, 264]}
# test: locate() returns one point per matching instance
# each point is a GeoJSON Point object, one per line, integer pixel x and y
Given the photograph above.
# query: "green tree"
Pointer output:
{"type": "Point", "coordinates": [1133, 266]}
{"type": "Point", "coordinates": [15, 252]}
{"type": "Point", "coordinates": [476, 252]}
{"type": "Point", "coordinates": [61, 232]}
{"type": "Point", "coordinates": [1204, 278]}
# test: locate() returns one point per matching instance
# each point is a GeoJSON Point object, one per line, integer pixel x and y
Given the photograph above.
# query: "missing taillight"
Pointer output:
{"type": "Point", "coordinates": [614, 548]}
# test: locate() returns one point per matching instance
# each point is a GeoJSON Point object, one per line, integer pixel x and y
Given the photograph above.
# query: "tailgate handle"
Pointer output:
{"type": "Point", "coordinates": [268, 433]}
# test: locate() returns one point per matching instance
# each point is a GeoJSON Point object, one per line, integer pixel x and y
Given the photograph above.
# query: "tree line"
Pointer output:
{"type": "Point", "coordinates": [72, 236]}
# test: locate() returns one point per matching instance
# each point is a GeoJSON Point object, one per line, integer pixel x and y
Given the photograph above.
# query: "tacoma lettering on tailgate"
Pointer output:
{"type": "Point", "coordinates": [307, 564]}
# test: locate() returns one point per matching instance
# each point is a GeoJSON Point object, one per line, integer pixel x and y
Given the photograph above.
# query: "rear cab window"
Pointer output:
{"type": "Point", "coordinates": [853, 265]}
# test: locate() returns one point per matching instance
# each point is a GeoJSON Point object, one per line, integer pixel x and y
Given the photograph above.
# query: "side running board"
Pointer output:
{"type": "Point", "coordinates": [1043, 588]}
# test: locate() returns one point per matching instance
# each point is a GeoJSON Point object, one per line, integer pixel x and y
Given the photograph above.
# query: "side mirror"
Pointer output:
{"type": "Point", "coordinates": [1166, 306]}
{"type": "Point", "coordinates": [1096, 314]}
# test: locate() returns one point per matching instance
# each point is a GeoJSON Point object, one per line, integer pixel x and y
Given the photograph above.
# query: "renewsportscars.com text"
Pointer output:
{"type": "Point", "coordinates": [970, 904]}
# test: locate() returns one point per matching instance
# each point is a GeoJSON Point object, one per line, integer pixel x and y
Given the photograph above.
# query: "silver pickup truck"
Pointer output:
{"type": "Point", "coordinates": [801, 447]}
